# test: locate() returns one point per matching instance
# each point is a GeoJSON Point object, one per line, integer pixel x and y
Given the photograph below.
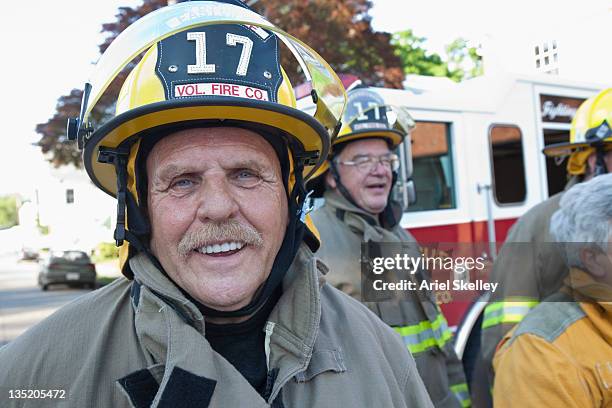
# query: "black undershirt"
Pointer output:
{"type": "Point", "coordinates": [242, 344]}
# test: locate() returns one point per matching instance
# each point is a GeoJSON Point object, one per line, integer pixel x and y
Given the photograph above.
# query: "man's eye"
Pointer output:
{"type": "Point", "coordinates": [246, 178]}
{"type": "Point", "coordinates": [244, 174]}
{"type": "Point", "coordinates": [182, 183]}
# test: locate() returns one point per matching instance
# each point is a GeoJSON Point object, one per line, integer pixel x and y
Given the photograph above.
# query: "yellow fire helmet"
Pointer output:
{"type": "Point", "coordinates": [205, 64]}
{"type": "Point", "coordinates": [591, 132]}
{"type": "Point", "coordinates": [366, 116]}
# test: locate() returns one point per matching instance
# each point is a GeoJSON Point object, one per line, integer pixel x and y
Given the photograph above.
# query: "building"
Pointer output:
{"type": "Point", "coordinates": [77, 214]}
{"type": "Point", "coordinates": [570, 48]}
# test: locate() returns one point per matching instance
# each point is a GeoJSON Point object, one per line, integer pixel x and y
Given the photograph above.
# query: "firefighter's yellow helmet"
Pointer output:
{"type": "Point", "coordinates": [205, 63]}
{"type": "Point", "coordinates": [591, 128]}
{"type": "Point", "coordinates": [367, 117]}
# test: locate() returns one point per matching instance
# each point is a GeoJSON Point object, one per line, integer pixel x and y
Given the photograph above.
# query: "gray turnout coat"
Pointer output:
{"type": "Point", "coordinates": [343, 228]}
{"type": "Point", "coordinates": [141, 343]}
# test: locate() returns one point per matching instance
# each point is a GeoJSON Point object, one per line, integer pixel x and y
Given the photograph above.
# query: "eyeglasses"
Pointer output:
{"type": "Point", "coordinates": [367, 164]}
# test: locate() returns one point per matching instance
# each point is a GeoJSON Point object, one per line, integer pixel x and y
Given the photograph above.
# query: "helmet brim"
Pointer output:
{"type": "Point", "coordinates": [563, 149]}
{"type": "Point", "coordinates": [393, 136]}
{"type": "Point", "coordinates": [140, 121]}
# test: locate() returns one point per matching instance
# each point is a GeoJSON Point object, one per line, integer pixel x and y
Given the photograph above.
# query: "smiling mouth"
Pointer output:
{"type": "Point", "coordinates": [376, 186]}
{"type": "Point", "coordinates": [221, 249]}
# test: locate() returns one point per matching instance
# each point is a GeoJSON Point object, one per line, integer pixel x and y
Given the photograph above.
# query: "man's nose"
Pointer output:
{"type": "Point", "coordinates": [379, 169]}
{"type": "Point", "coordinates": [216, 200]}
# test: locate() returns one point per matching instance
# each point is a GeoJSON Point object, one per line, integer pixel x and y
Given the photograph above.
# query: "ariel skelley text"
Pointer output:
{"type": "Point", "coordinates": [459, 285]}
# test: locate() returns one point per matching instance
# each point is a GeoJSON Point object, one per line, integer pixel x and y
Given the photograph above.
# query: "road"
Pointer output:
{"type": "Point", "coordinates": [22, 302]}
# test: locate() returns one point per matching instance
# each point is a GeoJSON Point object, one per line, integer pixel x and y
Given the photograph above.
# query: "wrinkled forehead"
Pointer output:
{"type": "Point", "coordinates": [223, 143]}
{"type": "Point", "coordinates": [374, 146]}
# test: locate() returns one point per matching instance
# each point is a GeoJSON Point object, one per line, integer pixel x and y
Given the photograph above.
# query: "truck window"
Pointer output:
{"type": "Point", "coordinates": [506, 147]}
{"type": "Point", "coordinates": [432, 167]}
{"type": "Point", "coordinates": [556, 167]}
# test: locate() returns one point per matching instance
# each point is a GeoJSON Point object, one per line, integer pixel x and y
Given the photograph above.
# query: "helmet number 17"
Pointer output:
{"type": "Point", "coordinates": [371, 106]}
{"type": "Point", "coordinates": [201, 67]}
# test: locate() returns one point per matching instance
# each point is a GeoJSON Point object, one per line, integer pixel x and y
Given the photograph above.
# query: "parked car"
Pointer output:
{"type": "Point", "coordinates": [68, 267]}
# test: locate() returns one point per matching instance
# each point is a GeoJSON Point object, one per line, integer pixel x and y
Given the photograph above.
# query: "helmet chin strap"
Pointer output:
{"type": "Point", "coordinates": [341, 188]}
{"type": "Point", "coordinates": [600, 163]}
{"type": "Point", "coordinates": [392, 214]}
{"type": "Point", "coordinates": [126, 204]}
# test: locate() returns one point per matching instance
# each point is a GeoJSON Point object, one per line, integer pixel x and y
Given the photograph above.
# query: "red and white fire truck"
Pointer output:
{"type": "Point", "coordinates": [481, 133]}
{"type": "Point", "coordinates": [477, 157]}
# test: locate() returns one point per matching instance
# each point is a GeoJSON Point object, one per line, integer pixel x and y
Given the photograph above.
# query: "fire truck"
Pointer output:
{"type": "Point", "coordinates": [477, 162]}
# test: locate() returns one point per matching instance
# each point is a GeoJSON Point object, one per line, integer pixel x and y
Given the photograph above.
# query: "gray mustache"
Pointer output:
{"type": "Point", "coordinates": [215, 232]}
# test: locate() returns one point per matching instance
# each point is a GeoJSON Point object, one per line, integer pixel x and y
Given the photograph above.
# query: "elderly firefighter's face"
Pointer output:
{"type": "Point", "coordinates": [218, 212]}
{"type": "Point", "coordinates": [369, 184]}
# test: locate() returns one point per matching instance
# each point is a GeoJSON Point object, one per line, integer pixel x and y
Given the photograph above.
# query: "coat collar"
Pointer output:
{"type": "Point", "coordinates": [361, 222]}
{"type": "Point", "coordinates": [595, 300]}
{"type": "Point", "coordinates": [171, 329]}
{"type": "Point", "coordinates": [341, 205]}
{"type": "Point", "coordinates": [296, 313]}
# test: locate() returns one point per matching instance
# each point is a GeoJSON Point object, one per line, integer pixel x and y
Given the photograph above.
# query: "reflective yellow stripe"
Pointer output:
{"type": "Point", "coordinates": [462, 393]}
{"type": "Point", "coordinates": [512, 310]}
{"type": "Point", "coordinates": [424, 335]}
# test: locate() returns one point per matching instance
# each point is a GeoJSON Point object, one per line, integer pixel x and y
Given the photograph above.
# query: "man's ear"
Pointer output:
{"type": "Point", "coordinates": [329, 179]}
{"type": "Point", "coordinates": [592, 260]}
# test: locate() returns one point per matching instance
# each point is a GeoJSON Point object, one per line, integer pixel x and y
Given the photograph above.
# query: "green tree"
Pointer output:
{"type": "Point", "coordinates": [8, 211]}
{"type": "Point", "coordinates": [463, 61]}
{"type": "Point", "coordinates": [415, 58]}
{"type": "Point", "coordinates": [339, 30]}
{"type": "Point", "coordinates": [460, 61]}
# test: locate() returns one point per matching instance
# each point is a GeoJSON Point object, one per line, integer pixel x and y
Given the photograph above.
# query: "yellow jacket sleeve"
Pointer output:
{"type": "Point", "coordinates": [531, 372]}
